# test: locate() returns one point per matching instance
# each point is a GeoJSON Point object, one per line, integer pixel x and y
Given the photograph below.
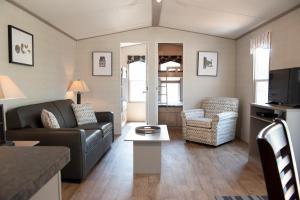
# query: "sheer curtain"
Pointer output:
{"type": "Point", "coordinates": [260, 50]}
{"type": "Point", "coordinates": [262, 41]}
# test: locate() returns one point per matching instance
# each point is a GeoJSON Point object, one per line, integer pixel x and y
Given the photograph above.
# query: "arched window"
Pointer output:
{"type": "Point", "coordinates": [164, 66]}
{"type": "Point", "coordinates": [137, 81]}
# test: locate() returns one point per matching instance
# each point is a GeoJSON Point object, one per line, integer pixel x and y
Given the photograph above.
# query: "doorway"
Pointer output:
{"type": "Point", "coordinates": [170, 84]}
{"type": "Point", "coordinates": [133, 82]}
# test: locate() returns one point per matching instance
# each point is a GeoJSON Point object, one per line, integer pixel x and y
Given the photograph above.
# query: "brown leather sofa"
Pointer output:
{"type": "Point", "coordinates": [87, 143]}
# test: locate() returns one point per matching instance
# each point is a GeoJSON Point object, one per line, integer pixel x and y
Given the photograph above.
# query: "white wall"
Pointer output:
{"type": "Point", "coordinates": [136, 111]}
{"type": "Point", "coordinates": [285, 48]}
{"type": "Point", "coordinates": [54, 58]}
{"type": "Point", "coordinates": [105, 91]}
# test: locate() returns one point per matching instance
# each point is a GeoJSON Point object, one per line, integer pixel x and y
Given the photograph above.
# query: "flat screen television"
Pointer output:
{"type": "Point", "coordinates": [284, 86]}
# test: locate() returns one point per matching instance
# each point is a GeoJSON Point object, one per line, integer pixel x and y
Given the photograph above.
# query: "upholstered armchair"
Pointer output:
{"type": "Point", "coordinates": [214, 123]}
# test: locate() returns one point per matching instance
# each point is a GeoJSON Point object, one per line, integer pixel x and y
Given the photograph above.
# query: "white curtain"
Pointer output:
{"type": "Point", "coordinates": [262, 41]}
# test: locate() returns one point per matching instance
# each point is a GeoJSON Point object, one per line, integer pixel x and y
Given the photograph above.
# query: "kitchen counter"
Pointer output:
{"type": "Point", "coordinates": [171, 105]}
{"type": "Point", "coordinates": [25, 170]}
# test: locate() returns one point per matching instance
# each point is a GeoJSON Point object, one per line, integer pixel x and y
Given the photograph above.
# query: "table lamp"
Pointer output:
{"type": "Point", "coordinates": [8, 90]}
{"type": "Point", "coordinates": [78, 86]}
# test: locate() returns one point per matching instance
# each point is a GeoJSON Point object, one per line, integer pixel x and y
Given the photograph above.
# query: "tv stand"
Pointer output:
{"type": "Point", "coordinates": [290, 114]}
{"type": "Point", "coordinates": [273, 103]}
{"type": "Point", "coordinates": [7, 143]}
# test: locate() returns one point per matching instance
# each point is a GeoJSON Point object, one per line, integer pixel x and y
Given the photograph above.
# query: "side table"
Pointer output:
{"type": "Point", "coordinates": [26, 143]}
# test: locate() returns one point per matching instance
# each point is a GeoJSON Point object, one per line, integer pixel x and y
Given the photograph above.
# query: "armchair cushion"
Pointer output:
{"type": "Point", "coordinates": [192, 113]}
{"type": "Point", "coordinates": [199, 122]}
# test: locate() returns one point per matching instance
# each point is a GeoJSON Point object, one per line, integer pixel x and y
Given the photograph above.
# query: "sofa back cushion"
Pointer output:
{"type": "Point", "coordinates": [30, 116]}
{"type": "Point", "coordinates": [216, 105]}
{"type": "Point", "coordinates": [65, 108]}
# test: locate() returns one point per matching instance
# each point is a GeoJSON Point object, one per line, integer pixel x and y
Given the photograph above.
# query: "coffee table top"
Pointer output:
{"type": "Point", "coordinates": [163, 136]}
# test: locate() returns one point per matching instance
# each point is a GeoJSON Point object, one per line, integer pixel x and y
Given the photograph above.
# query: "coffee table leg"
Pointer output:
{"type": "Point", "coordinates": [146, 157]}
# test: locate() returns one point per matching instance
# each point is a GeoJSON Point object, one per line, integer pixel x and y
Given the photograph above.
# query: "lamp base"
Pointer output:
{"type": "Point", "coordinates": [7, 143]}
{"type": "Point", "coordinates": [78, 98]}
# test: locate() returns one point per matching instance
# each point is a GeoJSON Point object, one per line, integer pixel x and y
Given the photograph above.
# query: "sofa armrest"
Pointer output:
{"type": "Point", "coordinates": [68, 137]}
{"type": "Point", "coordinates": [106, 117]}
{"type": "Point", "coordinates": [192, 113]}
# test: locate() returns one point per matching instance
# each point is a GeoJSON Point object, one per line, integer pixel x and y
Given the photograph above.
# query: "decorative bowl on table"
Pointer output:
{"type": "Point", "coordinates": [147, 129]}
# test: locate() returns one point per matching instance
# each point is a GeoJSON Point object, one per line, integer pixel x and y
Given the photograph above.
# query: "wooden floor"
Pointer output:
{"type": "Point", "coordinates": [189, 171]}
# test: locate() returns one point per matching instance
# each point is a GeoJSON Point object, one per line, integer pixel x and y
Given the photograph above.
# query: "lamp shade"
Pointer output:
{"type": "Point", "coordinates": [78, 86]}
{"type": "Point", "coordinates": [9, 90]}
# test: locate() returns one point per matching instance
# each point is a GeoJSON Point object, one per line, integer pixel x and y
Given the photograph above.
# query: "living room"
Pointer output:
{"type": "Point", "coordinates": [75, 52]}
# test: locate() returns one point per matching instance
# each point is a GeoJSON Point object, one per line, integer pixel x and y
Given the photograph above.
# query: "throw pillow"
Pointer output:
{"type": "Point", "coordinates": [49, 120]}
{"type": "Point", "coordinates": [84, 114]}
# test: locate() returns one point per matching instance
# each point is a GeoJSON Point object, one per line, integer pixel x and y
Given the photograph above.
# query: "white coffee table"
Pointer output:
{"type": "Point", "coordinates": [147, 150]}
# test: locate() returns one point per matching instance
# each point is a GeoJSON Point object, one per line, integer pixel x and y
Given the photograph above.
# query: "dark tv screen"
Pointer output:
{"type": "Point", "coordinates": [294, 87]}
{"type": "Point", "coordinates": [278, 86]}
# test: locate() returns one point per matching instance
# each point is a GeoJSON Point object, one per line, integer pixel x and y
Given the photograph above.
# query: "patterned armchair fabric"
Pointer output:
{"type": "Point", "coordinates": [214, 123]}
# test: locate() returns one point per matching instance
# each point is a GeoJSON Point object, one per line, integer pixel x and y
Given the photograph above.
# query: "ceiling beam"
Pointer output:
{"type": "Point", "coordinates": [156, 11]}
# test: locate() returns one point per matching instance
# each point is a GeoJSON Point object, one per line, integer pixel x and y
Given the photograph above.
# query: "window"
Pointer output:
{"type": "Point", "coordinates": [164, 66]}
{"type": "Point", "coordinates": [261, 74]}
{"type": "Point", "coordinates": [137, 82]}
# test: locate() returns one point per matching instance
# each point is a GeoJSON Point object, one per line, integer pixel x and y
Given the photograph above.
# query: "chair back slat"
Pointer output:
{"type": "Point", "coordinates": [290, 193]}
{"type": "Point", "coordinates": [278, 162]}
{"type": "Point", "coordinates": [287, 177]}
{"type": "Point", "coordinates": [283, 163]}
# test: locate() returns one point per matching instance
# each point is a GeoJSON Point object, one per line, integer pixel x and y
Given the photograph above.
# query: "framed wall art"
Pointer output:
{"type": "Point", "coordinates": [207, 63]}
{"type": "Point", "coordinates": [20, 46]}
{"type": "Point", "coordinates": [102, 63]}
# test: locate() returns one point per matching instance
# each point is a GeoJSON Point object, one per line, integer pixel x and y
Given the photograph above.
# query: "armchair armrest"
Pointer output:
{"type": "Point", "coordinates": [68, 137]}
{"type": "Point", "coordinates": [192, 113]}
{"type": "Point", "coordinates": [224, 116]}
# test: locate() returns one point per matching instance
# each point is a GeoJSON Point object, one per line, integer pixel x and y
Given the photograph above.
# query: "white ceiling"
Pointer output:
{"type": "Point", "coordinates": [87, 18]}
{"type": "Point", "coordinates": [226, 18]}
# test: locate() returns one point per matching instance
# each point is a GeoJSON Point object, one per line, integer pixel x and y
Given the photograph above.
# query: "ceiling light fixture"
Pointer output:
{"type": "Point", "coordinates": [158, 1]}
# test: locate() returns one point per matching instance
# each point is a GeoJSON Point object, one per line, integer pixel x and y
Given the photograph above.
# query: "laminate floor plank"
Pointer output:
{"type": "Point", "coordinates": [190, 171]}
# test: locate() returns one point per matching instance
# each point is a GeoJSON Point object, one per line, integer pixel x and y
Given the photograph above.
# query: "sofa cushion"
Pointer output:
{"type": "Point", "coordinates": [103, 126]}
{"type": "Point", "coordinates": [49, 120]}
{"type": "Point", "coordinates": [93, 138]}
{"type": "Point", "coordinates": [65, 108]}
{"type": "Point", "coordinates": [30, 116]}
{"type": "Point", "coordinates": [84, 114]}
{"type": "Point", "coordinates": [200, 122]}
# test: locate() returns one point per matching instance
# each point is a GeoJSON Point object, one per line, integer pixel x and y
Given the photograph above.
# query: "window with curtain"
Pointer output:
{"type": "Point", "coordinates": [260, 50]}
{"type": "Point", "coordinates": [137, 81]}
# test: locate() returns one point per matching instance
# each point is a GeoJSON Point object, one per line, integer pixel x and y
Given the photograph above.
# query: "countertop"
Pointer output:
{"type": "Point", "coordinates": [171, 105]}
{"type": "Point", "coordinates": [24, 170]}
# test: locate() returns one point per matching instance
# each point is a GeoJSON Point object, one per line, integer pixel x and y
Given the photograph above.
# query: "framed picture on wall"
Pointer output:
{"type": "Point", "coordinates": [207, 63]}
{"type": "Point", "coordinates": [102, 63]}
{"type": "Point", "coordinates": [20, 46]}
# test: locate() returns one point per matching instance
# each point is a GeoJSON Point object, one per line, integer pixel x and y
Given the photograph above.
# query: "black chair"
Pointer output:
{"type": "Point", "coordinates": [278, 162]}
